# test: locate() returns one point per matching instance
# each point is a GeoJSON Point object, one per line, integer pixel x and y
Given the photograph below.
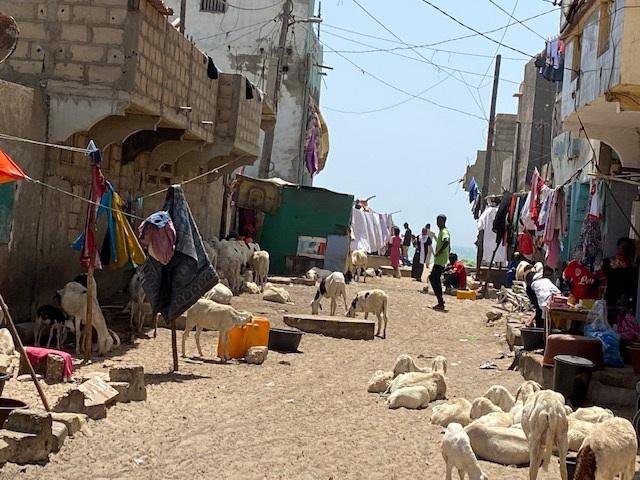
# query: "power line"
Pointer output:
{"type": "Point", "coordinates": [262, 22]}
{"type": "Point", "coordinates": [227, 43]}
{"type": "Point", "coordinates": [277, 4]}
{"type": "Point", "coordinates": [477, 32]}
{"type": "Point", "coordinates": [499, 7]}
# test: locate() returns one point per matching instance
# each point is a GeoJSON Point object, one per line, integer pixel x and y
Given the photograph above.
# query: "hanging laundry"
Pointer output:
{"type": "Point", "coordinates": [537, 184]}
{"type": "Point", "coordinates": [172, 289]}
{"type": "Point", "coordinates": [158, 234]}
{"type": "Point", "coordinates": [90, 255]}
{"type": "Point", "coordinates": [212, 71]}
{"type": "Point", "coordinates": [490, 241]}
{"type": "Point", "coordinates": [526, 221]}
{"type": "Point", "coordinates": [9, 170]}
{"type": "Point", "coordinates": [499, 225]}
{"type": "Point", "coordinates": [555, 226]}
{"type": "Point", "coordinates": [249, 93]}
{"type": "Point", "coordinates": [596, 200]}
{"type": "Point", "coordinates": [312, 140]}
{"type": "Point", "coordinates": [589, 248]}
{"type": "Point", "coordinates": [473, 190]}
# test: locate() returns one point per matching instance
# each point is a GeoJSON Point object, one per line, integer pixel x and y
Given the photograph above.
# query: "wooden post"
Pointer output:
{"type": "Point", "coordinates": [174, 345]}
{"type": "Point", "coordinates": [18, 341]}
{"type": "Point", "coordinates": [88, 325]}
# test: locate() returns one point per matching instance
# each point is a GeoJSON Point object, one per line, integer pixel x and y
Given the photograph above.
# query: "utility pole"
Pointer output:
{"type": "Point", "coordinates": [486, 179]}
{"type": "Point", "coordinates": [183, 15]}
{"type": "Point", "coordinates": [267, 146]}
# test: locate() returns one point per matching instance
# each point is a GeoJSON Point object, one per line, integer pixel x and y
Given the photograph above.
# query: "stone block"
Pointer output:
{"type": "Point", "coordinates": [33, 31]}
{"type": "Point", "coordinates": [117, 16]}
{"type": "Point", "coordinates": [337, 327]}
{"type": "Point", "coordinates": [6, 452]}
{"type": "Point", "coordinates": [89, 14]}
{"type": "Point", "coordinates": [87, 53]}
{"type": "Point", "coordinates": [73, 401]}
{"type": "Point", "coordinates": [23, 12]}
{"type": "Point", "coordinates": [123, 391]}
{"type": "Point", "coordinates": [104, 74]}
{"type": "Point", "coordinates": [115, 56]}
{"type": "Point", "coordinates": [59, 435]}
{"type": "Point", "coordinates": [609, 396]}
{"type": "Point", "coordinates": [134, 376]}
{"type": "Point", "coordinates": [35, 422]}
{"type": "Point", "coordinates": [54, 372]}
{"type": "Point", "coordinates": [27, 448]}
{"type": "Point", "coordinates": [256, 355]}
{"type": "Point", "coordinates": [74, 422]}
{"type": "Point", "coordinates": [514, 337]}
{"type": "Point", "coordinates": [108, 36]}
{"type": "Point", "coordinates": [531, 368]}
{"type": "Point", "coordinates": [64, 13]}
{"type": "Point", "coordinates": [69, 71]}
{"type": "Point", "coordinates": [74, 33]}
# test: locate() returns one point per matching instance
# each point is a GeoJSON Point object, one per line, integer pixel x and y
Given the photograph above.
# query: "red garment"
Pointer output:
{"type": "Point", "coordinates": [537, 184]}
{"type": "Point", "coordinates": [396, 251]}
{"type": "Point", "coordinates": [585, 285]}
{"type": "Point", "coordinates": [38, 354]}
{"type": "Point", "coordinates": [461, 272]}
{"type": "Point", "coordinates": [90, 254]}
{"type": "Point", "coordinates": [525, 244]}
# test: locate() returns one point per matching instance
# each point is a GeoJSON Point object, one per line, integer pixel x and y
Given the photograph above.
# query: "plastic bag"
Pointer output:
{"type": "Point", "coordinates": [628, 328]}
{"type": "Point", "coordinates": [598, 327]}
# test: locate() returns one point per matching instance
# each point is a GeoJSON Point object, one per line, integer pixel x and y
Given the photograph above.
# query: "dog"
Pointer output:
{"type": "Point", "coordinates": [56, 320]}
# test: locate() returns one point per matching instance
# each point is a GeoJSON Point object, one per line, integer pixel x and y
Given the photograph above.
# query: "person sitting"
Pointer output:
{"type": "Point", "coordinates": [621, 273]}
{"type": "Point", "coordinates": [455, 274]}
{"type": "Point", "coordinates": [539, 288]}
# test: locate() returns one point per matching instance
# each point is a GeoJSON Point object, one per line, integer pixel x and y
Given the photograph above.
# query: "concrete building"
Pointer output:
{"type": "Point", "coordinates": [117, 72]}
{"type": "Point", "coordinates": [245, 41]}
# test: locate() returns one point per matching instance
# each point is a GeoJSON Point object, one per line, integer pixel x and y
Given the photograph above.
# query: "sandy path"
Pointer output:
{"type": "Point", "coordinates": [307, 418]}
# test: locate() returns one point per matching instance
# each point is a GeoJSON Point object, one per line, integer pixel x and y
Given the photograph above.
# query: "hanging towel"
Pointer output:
{"type": "Point", "coordinates": [172, 289]}
{"type": "Point", "coordinates": [490, 242]}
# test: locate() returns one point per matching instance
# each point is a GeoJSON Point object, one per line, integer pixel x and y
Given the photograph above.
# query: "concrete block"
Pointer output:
{"type": "Point", "coordinates": [123, 391]}
{"type": "Point", "coordinates": [33, 31]}
{"type": "Point", "coordinates": [256, 355]}
{"type": "Point", "coordinates": [608, 396]}
{"type": "Point", "coordinates": [104, 74]}
{"type": "Point", "coordinates": [73, 401]}
{"type": "Point", "coordinates": [35, 422]}
{"type": "Point", "coordinates": [89, 14]}
{"type": "Point", "coordinates": [74, 33]}
{"type": "Point", "coordinates": [531, 368]}
{"type": "Point", "coordinates": [27, 448]}
{"type": "Point", "coordinates": [337, 327]}
{"type": "Point", "coordinates": [22, 50]}
{"type": "Point", "coordinates": [115, 56]}
{"type": "Point", "coordinates": [60, 434]}
{"type": "Point", "coordinates": [6, 452]}
{"type": "Point", "coordinates": [42, 11]}
{"type": "Point", "coordinates": [74, 422]}
{"type": "Point", "coordinates": [117, 16]}
{"type": "Point", "coordinates": [64, 13]}
{"type": "Point", "coordinates": [37, 52]}
{"type": "Point", "coordinates": [107, 35]}
{"type": "Point", "coordinates": [134, 376]}
{"type": "Point", "coordinates": [23, 12]}
{"type": "Point", "coordinates": [514, 337]}
{"type": "Point", "coordinates": [87, 53]}
{"type": "Point", "coordinates": [69, 71]}
{"type": "Point", "coordinates": [54, 369]}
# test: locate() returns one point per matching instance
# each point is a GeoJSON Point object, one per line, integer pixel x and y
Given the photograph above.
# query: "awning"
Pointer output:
{"type": "Point", "coordinates": [259, 194]}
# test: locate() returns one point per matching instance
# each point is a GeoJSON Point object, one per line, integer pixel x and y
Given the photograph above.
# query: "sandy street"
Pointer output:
{"type": "Point", "coordinates": [298, 416]}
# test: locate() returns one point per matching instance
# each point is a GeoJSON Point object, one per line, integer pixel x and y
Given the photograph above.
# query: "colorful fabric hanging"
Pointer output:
{"type": "Point", "coordinates": [9, 170]}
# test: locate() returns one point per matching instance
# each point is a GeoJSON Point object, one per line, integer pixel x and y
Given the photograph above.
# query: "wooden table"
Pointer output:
{"type": "Point", "coordinates": [557, 316]}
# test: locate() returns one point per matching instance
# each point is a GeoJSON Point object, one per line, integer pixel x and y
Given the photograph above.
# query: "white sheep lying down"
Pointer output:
{"type": "Point", "coordinates": [209, 315]}
{"type": "Point", "coordinates": [404, 364]}
{"type": "Point", "coordinates": [505, 446]}
{"type": "Point", "coordinates": [414, 397]}
{"type": "Point", "coordinates": [457, 410]}
{"type": "Point", "coordinates": [434, 382]}
{"type": "Point", "coordinates": [592, 414]}
{"type": "Point", "coordinates": [457, 453]}
{"type": "Point", "coordinates": [380, 382]}
{"type": "Point", "coordinates": [482, 406]}
{"type": "Point", "coordinates": [371, 301]}
{"type": "Point", "coordinates": [500, 397]}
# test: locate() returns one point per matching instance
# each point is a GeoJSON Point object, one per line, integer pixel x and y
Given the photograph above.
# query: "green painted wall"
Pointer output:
{"type": "Point", "coordinates": [304, 211]}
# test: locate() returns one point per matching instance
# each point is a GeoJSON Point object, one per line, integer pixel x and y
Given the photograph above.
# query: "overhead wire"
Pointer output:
{"type": "Point", "coordinates": [279, 3]}
{"type": "Point", "coordinates": [227, 32]}
{"type": "Point", "coordinates": [234, 40]}
{"type": "Point", "coordinates": [499, 7]}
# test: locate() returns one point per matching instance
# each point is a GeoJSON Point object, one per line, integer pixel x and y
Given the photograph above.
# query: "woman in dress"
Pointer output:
{"type": "Point", "coordinates": [396, 252]}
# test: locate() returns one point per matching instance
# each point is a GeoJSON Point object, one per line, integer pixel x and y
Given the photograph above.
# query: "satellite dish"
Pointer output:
{"type": "Point", "coordinates": [9, 33]}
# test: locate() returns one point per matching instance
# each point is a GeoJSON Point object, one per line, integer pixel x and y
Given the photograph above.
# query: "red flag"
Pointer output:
{"type": "Point", "coordinates": [9, 170]}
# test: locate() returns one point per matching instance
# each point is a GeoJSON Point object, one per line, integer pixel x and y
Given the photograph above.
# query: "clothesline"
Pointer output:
{"type": "Point", "coordinates": [5, 136]}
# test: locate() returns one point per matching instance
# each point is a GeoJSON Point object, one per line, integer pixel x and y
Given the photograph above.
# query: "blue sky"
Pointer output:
{"type": "Point", "coordinates": [408, 155]}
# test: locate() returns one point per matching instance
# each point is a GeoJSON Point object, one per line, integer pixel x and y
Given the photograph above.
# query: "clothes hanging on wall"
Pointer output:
{"type": "Point", "coordinates": [371, 231]}
{"type": "Point", "coordinates": [596, 200]}
{"type": "Point", "coordinates": [556, 226]}
{"type": "Point", "coordinates": [490, 240]}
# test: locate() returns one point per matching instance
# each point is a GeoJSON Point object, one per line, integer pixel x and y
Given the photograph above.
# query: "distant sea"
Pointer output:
{"type": "Point", "coordinates": [466, 254]}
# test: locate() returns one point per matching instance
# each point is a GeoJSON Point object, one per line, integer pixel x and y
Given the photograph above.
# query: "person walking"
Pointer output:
{"type": "Point", "coordinates": [441, 257]}
{"type": "Point", "coordinates": [431, 238]}
{"type": "Point", "coordinates": [396, 252]}
{"type": "Point", "coordinates": [406, 243]}
{"type": "Point", "coordinates": [422, 252]}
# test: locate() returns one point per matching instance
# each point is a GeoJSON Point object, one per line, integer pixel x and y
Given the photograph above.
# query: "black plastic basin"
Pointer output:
{"type": "Point", "coordinates": [3, 378]}
{"type": "Point", "coordinates": [8, 405]}
{"type": "Point", "coordinates": [532, 338]}
{"type": "Point", "coordinates": [284, 340]}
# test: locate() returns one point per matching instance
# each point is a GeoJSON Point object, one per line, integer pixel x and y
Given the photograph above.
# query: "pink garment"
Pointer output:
{"type": "Point", "coordinates": [38, 354]}
{"type": "Point", "coordinates": [159, 242]}
{"type": "Point", "coordinates": [555, 227]}
{"type": "Point", "coordinates": [536, 189]}
{"type": "Point", "coordinates": [396, 250]}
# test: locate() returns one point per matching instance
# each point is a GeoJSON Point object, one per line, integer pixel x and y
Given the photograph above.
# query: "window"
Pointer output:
{"type": "Point", "coordinates": [213, 6]}
{"type": "Point", "coordinates": [604, 29]}
{"type": "Point", "coordinates": [576, 56]}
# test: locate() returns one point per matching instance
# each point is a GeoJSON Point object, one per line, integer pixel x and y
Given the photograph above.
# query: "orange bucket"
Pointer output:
{"type": "Point", "coordinates": [257, 333]}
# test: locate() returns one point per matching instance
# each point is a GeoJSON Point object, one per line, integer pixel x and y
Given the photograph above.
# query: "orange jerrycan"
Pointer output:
{"type": "Point", "coordinates": [257, 333]}
{"type": "Point", "coordinates": [237, 339]}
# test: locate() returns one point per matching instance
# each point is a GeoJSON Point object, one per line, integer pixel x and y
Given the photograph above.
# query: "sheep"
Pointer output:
{"type": "Point", "coordinates": [482, 406]}
{"type": "Point", "coordinates": [500, 397]}
{"type": "Point", "coordinates": [439, 364]}
{"type": "Point", "coordinates": [231, 259]}
{"type": "Point", "coordinates": [219, 294]}
{"type": "Point", "coordinates": [317, 274]}
{"type": "Point", "coordinates": [434, 382]}
{"type": "Point", "coordinates": [413, 398]}
{"type": "Point", "coordinates": [380, 382]}
{"type": "Point", "coordinates": [359, 264]}
{"type": "Point", "coordinates": [496, 419]}
{"type": "Point", "coordinates": [404, 363]}
{"type": "Point", "coordinates": [260, 265]}
{"type": "Point", "coordinates": [457, 410]}
{"type": "Point", "coordinates": [73, 300]}
{"type": "Point", "coordinates": [211, 247]}
{"type": "Point", "coordinates": [139, 306]}
{"type": "Point", "coordinates": [505, 446]}
{"type": "Point", "coordinates": [577, 432]}
{"type": "Point", "coordinates": [544, 422]}
{"type": "Point", "coordinates": [371, 301]}
{"type": "Point", "coordinates": [332, 287]}
{"type": "Point", "coordinates": [526, 390]}
{"type": "Point", "coordinates": [206, 314]}
{"type": "Point", "coordinates": [592, 414]}
{"type": "Point", "coordinates": [56, 320]}
{"type": "Point", "coordinates": [457, 453]}
{"type": "Point", "coordinates": [9, 357]}
{"type": "Point", "coordinates": [609, 450]}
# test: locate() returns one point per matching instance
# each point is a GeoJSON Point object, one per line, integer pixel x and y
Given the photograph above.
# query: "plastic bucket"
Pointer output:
{"type": "Point", "coordinates": [284, 340]}
{"type": "Point", "coordinates": [8, 405]}
{"type": "Point", "coordinates": [571, 378]}
{"type": "Point", "coordinates": [532, 338]}
{"type": "Point", "coordinates": [571, 467]}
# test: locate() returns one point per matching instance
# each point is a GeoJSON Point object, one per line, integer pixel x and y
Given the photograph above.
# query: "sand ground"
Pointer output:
{"type": "Point", "coordinates": [298, 416]}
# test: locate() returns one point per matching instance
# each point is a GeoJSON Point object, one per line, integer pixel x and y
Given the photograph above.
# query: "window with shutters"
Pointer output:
{"type": "Point", "coordinates": [213, 6]}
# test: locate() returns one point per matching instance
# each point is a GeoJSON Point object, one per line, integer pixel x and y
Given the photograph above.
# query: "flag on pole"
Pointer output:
{"type": "Point", "coordinates": [9, 170]}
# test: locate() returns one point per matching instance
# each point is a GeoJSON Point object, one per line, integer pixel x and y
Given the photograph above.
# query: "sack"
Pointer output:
{"type": "Point", "coordinates": [628, 328]}
{"type": "Point", "coordinates": [598, 327]}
